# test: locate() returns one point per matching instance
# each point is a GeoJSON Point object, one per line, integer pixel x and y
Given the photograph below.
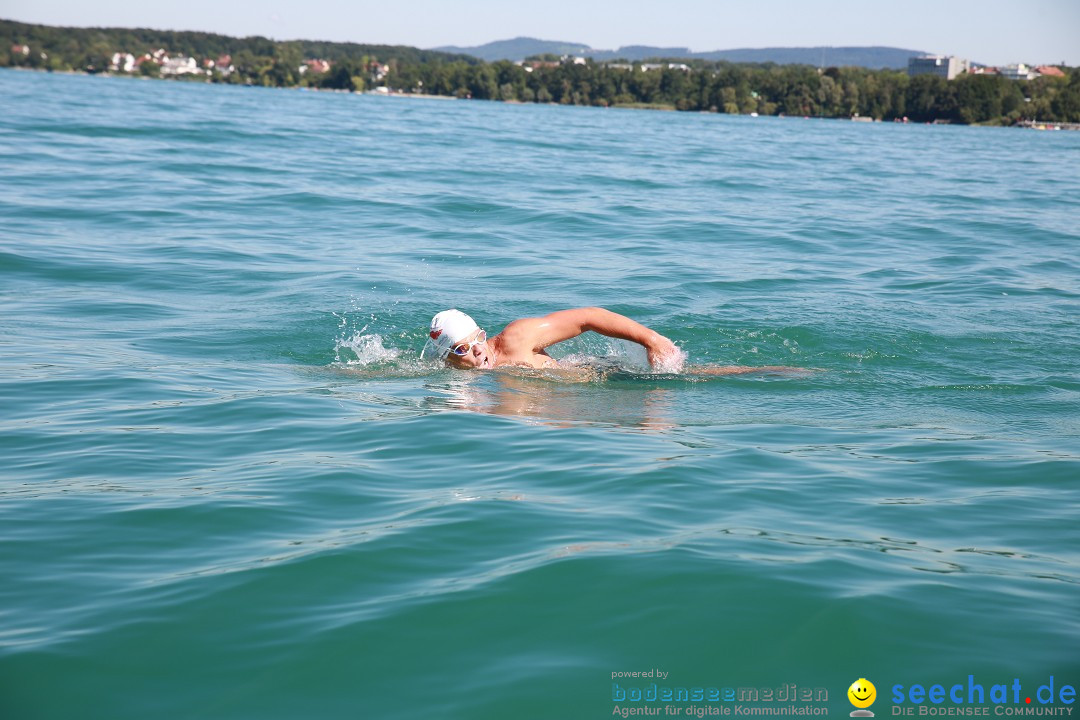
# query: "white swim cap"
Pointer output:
{"type": "Point", "coordinates": [449, 327]}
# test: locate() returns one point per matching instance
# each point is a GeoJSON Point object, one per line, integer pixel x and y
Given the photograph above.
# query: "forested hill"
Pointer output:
{"type": "Point", "coordinates": [874, 57]}
{"type": "Point", "coordinates": [75, 48]}
{"type": "Point", "coordinates": [518, 48]}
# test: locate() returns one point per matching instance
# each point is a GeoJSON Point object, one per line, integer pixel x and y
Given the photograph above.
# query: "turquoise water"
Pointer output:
{"type": "Point", "coordinates": [230, 489]}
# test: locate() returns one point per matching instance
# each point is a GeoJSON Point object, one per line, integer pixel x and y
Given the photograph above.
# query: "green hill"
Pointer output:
{"type": "Point", "coordinates": [873, 57]}
{"type": "Point", "coordinates": [517, 48]}
{"type": "Point", "coordinates": [69, 48]}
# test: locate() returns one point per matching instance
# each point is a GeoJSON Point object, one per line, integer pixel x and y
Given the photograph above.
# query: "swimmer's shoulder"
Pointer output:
{"type": "Point", "coordinates": [524, 335]}
{"type": "Point", "coordinates": [536, 362]}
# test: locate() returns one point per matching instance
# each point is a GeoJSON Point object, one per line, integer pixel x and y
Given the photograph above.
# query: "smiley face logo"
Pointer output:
{"type": "Point", "coordinates": [862, 694]}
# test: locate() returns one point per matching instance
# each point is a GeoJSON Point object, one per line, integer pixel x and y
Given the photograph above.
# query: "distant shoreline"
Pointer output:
{"type": "Point", "coordinates": [1024, 124]}
{"type": "Point", "coordinates": [962, 93]}
{"type": "Point", "coordinates": [398, 94]}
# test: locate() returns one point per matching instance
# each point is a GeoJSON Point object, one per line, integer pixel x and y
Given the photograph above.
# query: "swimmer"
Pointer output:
{"type": "Point", "coordinates": [523, 343]}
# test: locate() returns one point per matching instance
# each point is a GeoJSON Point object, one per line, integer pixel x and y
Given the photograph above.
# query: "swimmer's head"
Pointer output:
{"type": "Point", "coordinates": [459, 340]}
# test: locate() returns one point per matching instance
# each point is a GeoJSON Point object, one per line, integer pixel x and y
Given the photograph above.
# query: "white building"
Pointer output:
{"type": "Point", "coordinates": [1020, 71]}
{"type": "Point", "coordinates": [180, 66]}
{"type": "Point", "coordinates": [122, 62]}
{"type": "Point", "coordinates": [660, 66]}
{"type": "Point", "coordinates": [945, 66]}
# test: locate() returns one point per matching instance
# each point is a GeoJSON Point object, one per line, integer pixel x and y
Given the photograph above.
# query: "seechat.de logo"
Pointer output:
{"type": "Point", "coordinates": [862, 695]}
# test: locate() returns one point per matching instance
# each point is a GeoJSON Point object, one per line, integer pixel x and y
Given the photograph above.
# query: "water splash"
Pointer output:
{"type": "Point", "coordinates": [362, 350]}
{"type": "Point", "coordinates": [624, 356]}
{"type": "Point", "coordinates": [672, 364]}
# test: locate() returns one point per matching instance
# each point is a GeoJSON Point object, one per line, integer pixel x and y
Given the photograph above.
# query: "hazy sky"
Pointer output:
{"type": "Point", "coordinates": [988, 31]}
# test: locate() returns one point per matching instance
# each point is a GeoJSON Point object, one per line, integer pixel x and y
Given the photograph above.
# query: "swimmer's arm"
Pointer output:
{"type": "Point", "coordinates": [565, 324]}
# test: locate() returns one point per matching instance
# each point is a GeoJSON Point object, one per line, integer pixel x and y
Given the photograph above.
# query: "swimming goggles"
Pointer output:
{"type": "Point", "coordinates": [463, 348]}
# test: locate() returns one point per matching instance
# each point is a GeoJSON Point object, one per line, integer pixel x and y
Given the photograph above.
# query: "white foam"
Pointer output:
{"type": "Point", "coordinates": [627, 356]}
{"type": "Point", "coordinates": [361, 350]}
{"type": "Point", "coordinates": [673, 363]}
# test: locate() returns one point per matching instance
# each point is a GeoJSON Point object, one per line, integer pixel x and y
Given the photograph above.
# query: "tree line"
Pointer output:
{"type": "Point", "coordinates": [81, 48]}
{"type": "Point", "coordinates": [695, 85]}
{"type": "Point", "coordinates": [765, 89]}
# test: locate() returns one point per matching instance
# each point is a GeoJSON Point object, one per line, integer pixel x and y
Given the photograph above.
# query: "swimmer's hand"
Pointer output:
{"type": "Point", "coordinates": [664, 355]}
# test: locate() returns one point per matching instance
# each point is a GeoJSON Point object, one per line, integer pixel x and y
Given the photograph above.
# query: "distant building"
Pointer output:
{"type": "Point", "coordinates": [983, 70]}
{"type": "Point", "coordinates": [1019, 71]}
{"type": "Point", "coordinates": [20, 49]}
{"type": "Point", "coordinates": [1049, 71]}
{"type": "Point", "coordinates": [180, 66]}
{"type": "Point", "coordinates": [122, 62]}
{"type": "Point", "coordinates": [661, 66]}
{"type": "Point", "coordinates": [945, 66]}
{"type": "Point", "coordinates": [530, 65]}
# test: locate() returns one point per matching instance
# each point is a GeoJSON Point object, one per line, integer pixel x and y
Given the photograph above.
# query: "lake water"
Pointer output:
{"type": "Point", "coordinates": [231, 489]}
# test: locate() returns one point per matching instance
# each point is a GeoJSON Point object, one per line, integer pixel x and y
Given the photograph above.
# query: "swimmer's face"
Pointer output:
{"type": "Point", "coordinates": [479, 355]}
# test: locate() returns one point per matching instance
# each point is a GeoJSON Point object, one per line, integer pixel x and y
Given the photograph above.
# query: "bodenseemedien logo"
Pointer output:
{"type": "Point", "coordinates": [862, 695]}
